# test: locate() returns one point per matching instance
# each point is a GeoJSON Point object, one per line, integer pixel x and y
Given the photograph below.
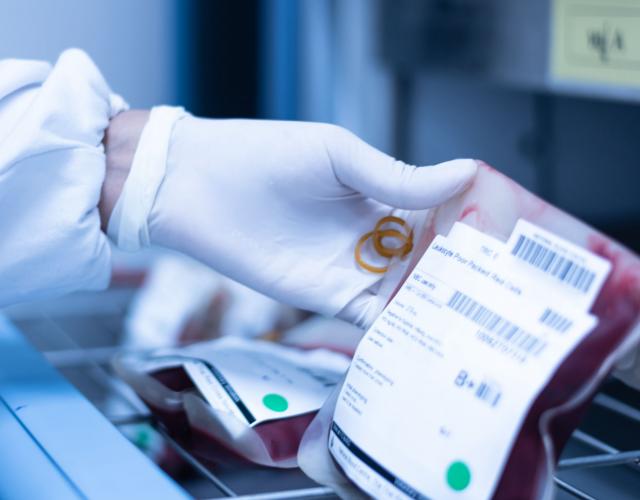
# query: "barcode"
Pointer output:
{"type": "Point", "coordinates": [552, 263]}
{"type": "Point", "coordinates": [494, 323]}
{"type": "Point", "coordinates": [488, 393]}
{"type": "Point", "coordinates": [555, 320]}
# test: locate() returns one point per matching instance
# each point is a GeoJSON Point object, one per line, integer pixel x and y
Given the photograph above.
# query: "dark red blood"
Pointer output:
{"type": "Point", "coordinates": [175, 379]}
{"type": "Point", "coordinates": [282, 437]}
{"type": "Point", "coordinates": [122, 277]}
{"type": "Point", "coordinates": [176, 421]}
{"type": "Point", "coordinates": [173, 464]}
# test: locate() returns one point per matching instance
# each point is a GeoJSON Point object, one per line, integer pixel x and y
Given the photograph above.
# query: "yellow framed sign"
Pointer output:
{"type": "Point", "coordinates": [596, 41]}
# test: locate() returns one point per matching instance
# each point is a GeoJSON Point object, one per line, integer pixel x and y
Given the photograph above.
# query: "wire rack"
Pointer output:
{"type": "Point", "coordinates": [221, 484]}
{"type": "Point", "coordinates": [601, 460]}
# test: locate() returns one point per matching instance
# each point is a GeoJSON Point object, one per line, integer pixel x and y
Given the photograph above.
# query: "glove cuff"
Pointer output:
{"type": "Point", "coordinates": [128, 224]}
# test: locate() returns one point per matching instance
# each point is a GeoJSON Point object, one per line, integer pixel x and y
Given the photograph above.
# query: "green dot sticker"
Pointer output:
{"type": "Point", "coordinates": [458, 476]}
{"type": "Point", "coordinates": [275, 402]}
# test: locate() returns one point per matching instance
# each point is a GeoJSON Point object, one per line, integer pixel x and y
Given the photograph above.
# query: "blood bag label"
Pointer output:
{"type": "Point", "coordinates": [257, 382]}
{"type": "Point", "coordinates": [441, 382]}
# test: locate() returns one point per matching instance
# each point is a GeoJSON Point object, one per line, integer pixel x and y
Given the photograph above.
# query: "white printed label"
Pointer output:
{"type": "Point", "coordinates": [506, 270]}
{"type": "Point", "coordinates": [580, 272]}
{"type": "Point", "coordinates": [212, 389]}
{"type": "Point", "coordinates": [440, 384]}
{"type": "Point", "coordinates": [257, 382]}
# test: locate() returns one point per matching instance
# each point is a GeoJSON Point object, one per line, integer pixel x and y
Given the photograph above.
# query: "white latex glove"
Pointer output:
{"type": "Point", "coordinates": [277, 206]}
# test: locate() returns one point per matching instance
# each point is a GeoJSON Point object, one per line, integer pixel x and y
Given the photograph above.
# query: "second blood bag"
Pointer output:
{"type": "Point", "coordinates": [519, 312]}
{"type": "Point", "coordinates": [234, 398]}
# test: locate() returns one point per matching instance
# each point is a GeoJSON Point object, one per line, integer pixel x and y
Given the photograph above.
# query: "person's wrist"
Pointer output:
{"type": "Point", "coordinates": [120, 142]}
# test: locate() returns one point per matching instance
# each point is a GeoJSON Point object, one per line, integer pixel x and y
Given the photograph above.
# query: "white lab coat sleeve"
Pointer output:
{"type": "Point", "coordinates": [52, 165]}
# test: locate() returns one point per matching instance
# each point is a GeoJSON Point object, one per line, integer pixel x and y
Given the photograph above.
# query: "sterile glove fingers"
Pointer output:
{"type": "Point", "coordinates": [379, 176]}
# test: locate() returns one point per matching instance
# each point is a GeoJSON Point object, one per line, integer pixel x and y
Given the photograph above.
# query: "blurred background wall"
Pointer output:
{"type": "Point", "coordinates": [139, 45]}
{"type": "Point", "coordinates": [426, 80]}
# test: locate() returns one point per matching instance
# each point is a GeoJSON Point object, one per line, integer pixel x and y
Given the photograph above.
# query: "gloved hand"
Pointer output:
{"type": "Point", "coordinates": [277, 206]}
